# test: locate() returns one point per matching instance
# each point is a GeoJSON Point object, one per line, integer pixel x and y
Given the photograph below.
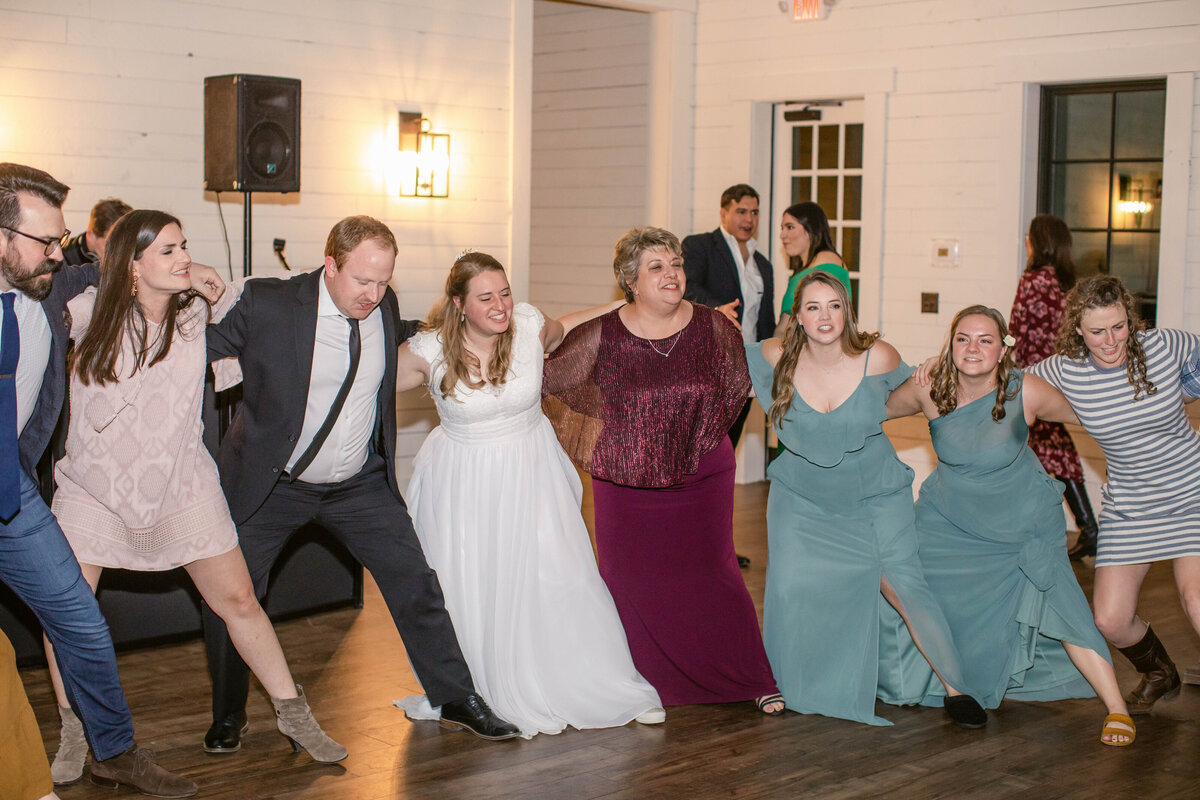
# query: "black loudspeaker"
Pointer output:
{"type": "Point", "coordinates": [251, 134]}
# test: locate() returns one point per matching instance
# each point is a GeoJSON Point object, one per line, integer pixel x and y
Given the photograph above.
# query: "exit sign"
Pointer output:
{"type": "Point", "coordinates": [807, 10]}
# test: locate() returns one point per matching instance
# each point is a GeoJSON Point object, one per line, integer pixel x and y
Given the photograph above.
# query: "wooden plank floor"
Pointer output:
{"type": "Point", "coordinates": [352, 666]}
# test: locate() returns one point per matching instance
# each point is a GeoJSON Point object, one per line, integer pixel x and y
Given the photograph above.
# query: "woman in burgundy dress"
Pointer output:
{"type": "Point", "coordinates": [1034, 321]}
{"type": "Point", "coordinates": [642, 398]}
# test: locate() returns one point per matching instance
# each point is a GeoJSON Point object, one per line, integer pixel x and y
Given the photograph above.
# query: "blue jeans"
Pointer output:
{"type": "Point", "coordinates": [37, 563]}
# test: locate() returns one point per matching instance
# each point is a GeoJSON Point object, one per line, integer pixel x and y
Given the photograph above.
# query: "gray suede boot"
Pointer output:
{"type": "Point", "coordinates": [296, 722]}
{"type": "Point", "coordinates": [72, 749]}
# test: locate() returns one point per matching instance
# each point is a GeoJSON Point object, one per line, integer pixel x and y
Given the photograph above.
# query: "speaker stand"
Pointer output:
{"type": "Point", "coordinates": [246, 234]}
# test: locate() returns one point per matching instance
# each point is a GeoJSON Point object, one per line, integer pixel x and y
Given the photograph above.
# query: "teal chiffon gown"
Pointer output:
{"type": "Point", "coordinates": [840, 517]}
{"type": "Point", "coordinates": [994, 548]}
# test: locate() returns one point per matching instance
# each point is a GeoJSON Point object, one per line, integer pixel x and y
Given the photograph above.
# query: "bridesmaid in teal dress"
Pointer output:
{"type": "Point", "coordinates": [845, 595]}
{"type": "Point", "coordinates": [804, 234]}
{"type": "Point", "coordinates": [992, 531]}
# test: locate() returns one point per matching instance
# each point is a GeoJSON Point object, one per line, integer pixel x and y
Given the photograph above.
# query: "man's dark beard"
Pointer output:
{"type": "Point", "coordinates": [34, 285]}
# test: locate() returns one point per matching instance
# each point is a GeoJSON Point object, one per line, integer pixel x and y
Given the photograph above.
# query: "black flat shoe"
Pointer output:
{"type": "Point", "coordinates": [225, 735]}
{"type": "Point", "coordinates": [965, 711]}
{"type": "Point", "coordinates": [473, 715]}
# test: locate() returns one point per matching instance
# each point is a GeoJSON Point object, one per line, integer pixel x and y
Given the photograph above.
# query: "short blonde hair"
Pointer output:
{"type": "Point", "coordinates": [628, 254]}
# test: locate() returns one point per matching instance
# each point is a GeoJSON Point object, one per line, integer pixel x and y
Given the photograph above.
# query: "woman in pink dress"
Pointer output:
{"type": "Point", "coordinates": [137, 489]}
{"type": "Point", "coordinates": [1036, 313]}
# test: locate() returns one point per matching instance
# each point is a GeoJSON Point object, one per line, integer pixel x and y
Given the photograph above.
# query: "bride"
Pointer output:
{"type": "Point", "coordinates": [495, 502]}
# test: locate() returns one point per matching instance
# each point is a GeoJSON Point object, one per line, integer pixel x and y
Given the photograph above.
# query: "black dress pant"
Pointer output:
{"type": "Point", "coordinates": [374, 525]}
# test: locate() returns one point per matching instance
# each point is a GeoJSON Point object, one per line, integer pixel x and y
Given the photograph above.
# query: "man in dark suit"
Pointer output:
{"type": "Point", "coordinates": [725, 271]}
{"type": "Point", "coordinates": [315, 441]}
{"type": "Point", "coordinates": [35, 559]}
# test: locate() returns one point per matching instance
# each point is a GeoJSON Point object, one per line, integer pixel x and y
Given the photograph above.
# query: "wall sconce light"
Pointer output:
{"type": "Point", "coordinates": [424, 158]}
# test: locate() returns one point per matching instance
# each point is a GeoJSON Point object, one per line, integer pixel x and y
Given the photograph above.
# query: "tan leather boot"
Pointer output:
{"type": "Point", "coordinates": [72, 749]}
{"type": "Point", "coordinates": [136, 767]}
{"type": "Point", "coordinates": [297, 724]}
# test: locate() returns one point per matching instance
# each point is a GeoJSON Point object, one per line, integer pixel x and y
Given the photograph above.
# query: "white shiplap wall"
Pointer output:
{"type": "Point", "coordinates": [590, 148]}
{"type": "Point", "coordinates": [108, 97]}
{"type": "Point", "coordinates": [949, 157]}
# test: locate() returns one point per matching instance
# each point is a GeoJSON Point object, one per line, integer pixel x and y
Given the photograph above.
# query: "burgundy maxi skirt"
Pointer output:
{"type": "Point", "coordinates": [667, 557]}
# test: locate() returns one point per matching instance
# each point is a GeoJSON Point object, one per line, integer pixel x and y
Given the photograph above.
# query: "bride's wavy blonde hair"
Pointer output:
{"type": "Point", "coordinates": [446, 317]}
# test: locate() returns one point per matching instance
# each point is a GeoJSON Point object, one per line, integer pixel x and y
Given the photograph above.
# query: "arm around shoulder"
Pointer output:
{"type": "Point", "coordinates": [884, 358]}
{"type": "Point", "coordinates": [1041, 400]}
{"type": "Point", "coordinates": [411, 370]}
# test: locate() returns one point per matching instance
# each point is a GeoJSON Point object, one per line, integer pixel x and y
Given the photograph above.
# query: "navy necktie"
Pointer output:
{"type": "Point", "coordinates": [10, 461]}
{"type": "Point", "coordinates": [314, 447]}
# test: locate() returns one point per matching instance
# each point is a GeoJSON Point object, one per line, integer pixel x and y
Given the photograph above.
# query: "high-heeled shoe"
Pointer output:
{"type": "Point", "coordinates": [295, 721]}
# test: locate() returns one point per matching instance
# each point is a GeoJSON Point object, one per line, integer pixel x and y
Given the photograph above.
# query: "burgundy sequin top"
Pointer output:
{"type": "Point", "coordinates": [629, 415]}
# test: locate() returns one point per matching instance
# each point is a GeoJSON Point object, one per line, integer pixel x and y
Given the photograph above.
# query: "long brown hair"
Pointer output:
{"type": "Point", "coordinates": [853, 343]}
{"type": "Point", "coordinates": [447, 319]}
{"type": "Point", "coordinates": [117, 312]}
{"type": "Point", "coordinates": [1103, 291]}
{"type": "Point", "coordinates": [1050, 246]}
{"type": "Point", "coordinates": [943, 389]}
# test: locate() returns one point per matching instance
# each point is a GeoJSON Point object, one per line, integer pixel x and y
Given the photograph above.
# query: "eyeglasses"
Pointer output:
{"type": "Point", "coordinates": [50, 242]}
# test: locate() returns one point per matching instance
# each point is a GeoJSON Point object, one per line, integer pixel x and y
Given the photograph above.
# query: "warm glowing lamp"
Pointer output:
{"type": "Point", "coordinates": [424, 164]}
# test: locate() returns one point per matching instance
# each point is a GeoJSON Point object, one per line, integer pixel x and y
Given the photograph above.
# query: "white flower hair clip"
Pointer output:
{"type": "Point", "coordinates": [1009, 340]}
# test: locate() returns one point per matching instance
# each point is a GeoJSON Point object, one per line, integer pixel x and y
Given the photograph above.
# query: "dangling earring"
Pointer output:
{"type": "Point", "coordinates": [462, 318]}
{"type": "Point", "coordinates": [133, 290]}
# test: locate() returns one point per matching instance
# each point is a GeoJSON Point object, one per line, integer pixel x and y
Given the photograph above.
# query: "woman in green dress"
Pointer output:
{"type": "Point", "coordinates": [991, 528]}
{"type": "Point", "coordinates": [845, 597]}
{"type": "Point", "coordinates": [804, 234]}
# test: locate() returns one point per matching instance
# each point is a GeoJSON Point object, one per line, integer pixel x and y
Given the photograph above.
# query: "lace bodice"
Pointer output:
{"type": "Point", "coordinates": [492, 412]}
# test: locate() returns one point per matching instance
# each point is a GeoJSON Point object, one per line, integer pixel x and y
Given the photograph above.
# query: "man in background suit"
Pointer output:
{"type": "Point", "coordinates": [725, 271]}
{"type": "Point", "coordinates": [89, 245]}
{"type": "Point", "coordinates": [315, 441]}
{"type": "Point", "coordinates": [36, 561]}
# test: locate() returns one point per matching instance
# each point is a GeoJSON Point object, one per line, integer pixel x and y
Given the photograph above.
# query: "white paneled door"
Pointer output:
{"type": "Point", "coordinates": [818, 157]}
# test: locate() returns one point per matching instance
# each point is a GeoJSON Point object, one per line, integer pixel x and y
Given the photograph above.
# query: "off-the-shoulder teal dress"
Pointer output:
{"type": "Point", "coordinates": [994, 547]}
{"type": "Point", "coordinates": [839, 518]}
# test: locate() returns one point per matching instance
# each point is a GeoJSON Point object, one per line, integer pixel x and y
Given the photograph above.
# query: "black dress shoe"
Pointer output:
{"type": "Point", "coordinates": [225, 735]}
{"type": "Point", "coordinates": [743, 561]}
{"type": "Point", "coordinates": [472, 714]}
{"type": "Point", "coordinates": [965, 711]}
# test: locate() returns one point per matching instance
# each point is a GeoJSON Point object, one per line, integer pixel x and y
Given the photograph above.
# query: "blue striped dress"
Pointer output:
{"type": "Point", "coordinates": [1151, 502]}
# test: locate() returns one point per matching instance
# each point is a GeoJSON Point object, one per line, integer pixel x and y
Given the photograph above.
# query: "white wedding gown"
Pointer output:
{"type": "Point", "coordinates": [495, 502]}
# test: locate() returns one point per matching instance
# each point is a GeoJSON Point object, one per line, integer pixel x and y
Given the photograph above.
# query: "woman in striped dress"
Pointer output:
{"type": "Point", "coordinates": [1124, 384]}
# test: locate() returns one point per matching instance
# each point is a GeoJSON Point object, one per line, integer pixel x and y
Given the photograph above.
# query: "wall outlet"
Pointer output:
{"type": "Point", "coordinates": [929, 302]}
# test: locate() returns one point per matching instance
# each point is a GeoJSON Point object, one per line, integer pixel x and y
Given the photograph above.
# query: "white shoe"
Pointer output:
{"type": "Point", "coordinates": [652, 716]}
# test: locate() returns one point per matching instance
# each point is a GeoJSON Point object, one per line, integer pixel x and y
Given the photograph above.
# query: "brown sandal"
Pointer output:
{"type": "Point", "coordinates": [1118, 725]}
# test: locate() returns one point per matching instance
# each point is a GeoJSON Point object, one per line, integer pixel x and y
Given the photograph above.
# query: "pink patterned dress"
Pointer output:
{"type": "Point", "coordinates": [1036, 314]}
{"type": "Point", "coordinates": [137, 489]}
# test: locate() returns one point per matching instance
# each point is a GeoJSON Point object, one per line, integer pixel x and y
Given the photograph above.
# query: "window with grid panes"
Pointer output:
{"type": "Point", "coordinates": [1100, 170]}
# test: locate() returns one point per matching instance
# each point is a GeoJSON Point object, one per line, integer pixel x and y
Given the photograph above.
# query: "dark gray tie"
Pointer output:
{"type": "Point", "coordinates": [314, 447]}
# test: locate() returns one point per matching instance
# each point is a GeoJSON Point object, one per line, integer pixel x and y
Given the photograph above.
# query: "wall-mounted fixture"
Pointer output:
{"type": "Point", "coordinates": [424, 158]}
{"type": "Point", "coordinates": [806, 10]}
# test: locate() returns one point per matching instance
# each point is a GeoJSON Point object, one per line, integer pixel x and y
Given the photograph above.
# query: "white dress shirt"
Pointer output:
{"type": "Point", "coordinates": [346, 448]}
{"type": "Point", "coordinates": [36, 342]}
{"type": "Point", "coordinates": [752, 285]}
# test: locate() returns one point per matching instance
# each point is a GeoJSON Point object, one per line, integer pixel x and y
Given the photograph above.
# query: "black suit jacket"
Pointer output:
{"type": "Point", "coordinates": [68, 282]}
{"type": "Point", "coordinates": [272, 331]}
{"type": "Point", "coordinates": [712, 279]}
